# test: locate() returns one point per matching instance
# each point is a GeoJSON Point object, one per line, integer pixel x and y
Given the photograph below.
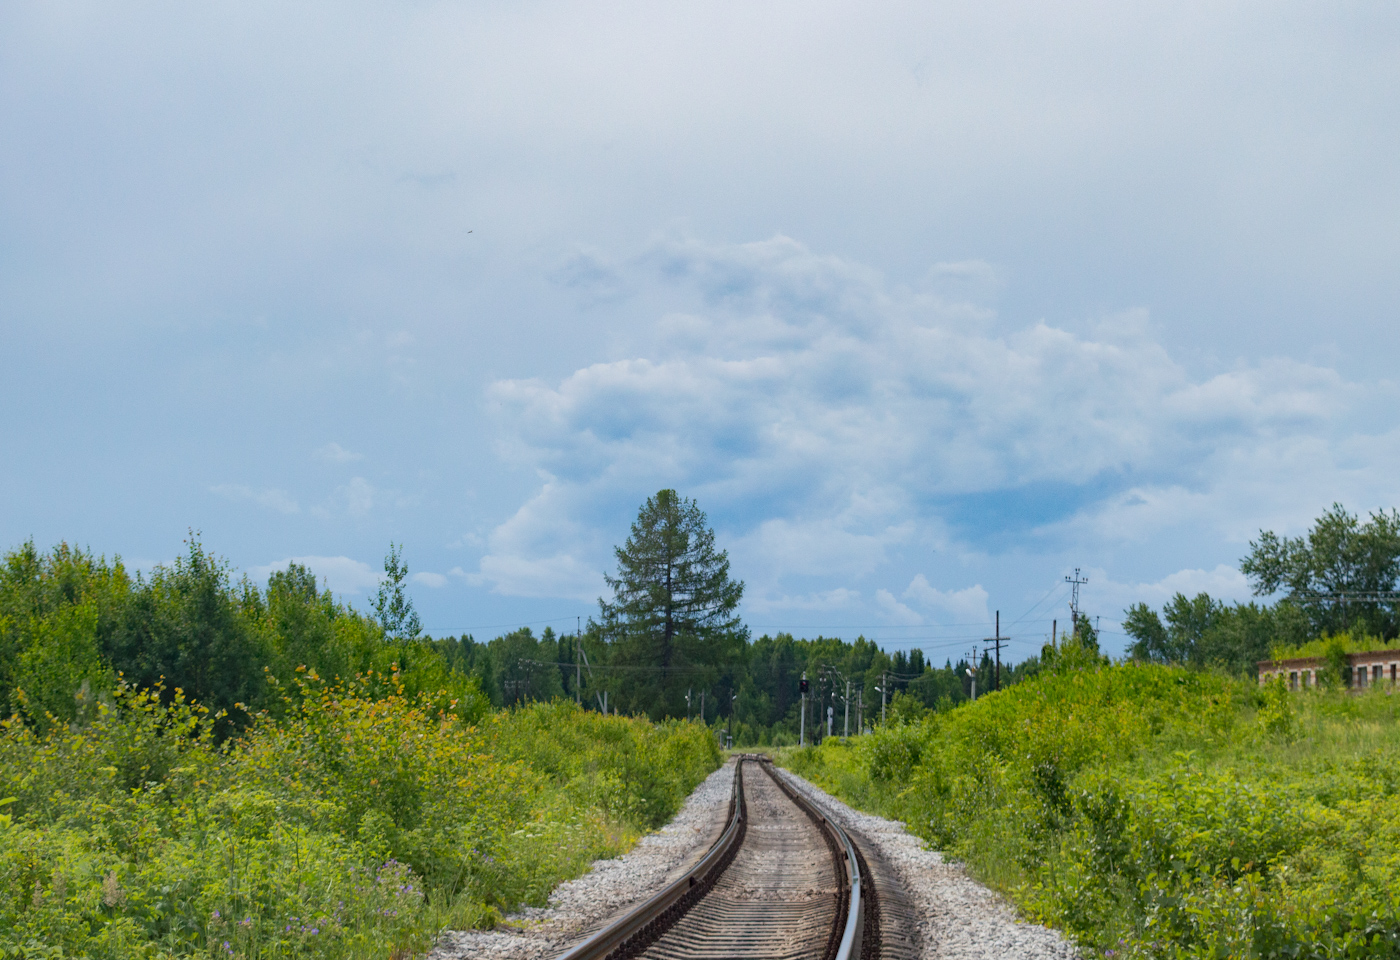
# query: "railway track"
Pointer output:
{"type": "Point", "coordinates": [783, 881]}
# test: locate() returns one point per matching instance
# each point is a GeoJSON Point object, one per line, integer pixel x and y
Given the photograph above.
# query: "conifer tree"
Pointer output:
{"type": "Point", "coordinates": [672, 623]}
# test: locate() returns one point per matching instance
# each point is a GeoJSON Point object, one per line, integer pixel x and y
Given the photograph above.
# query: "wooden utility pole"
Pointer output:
{"type": "Point", "coordinates": [578, 663]}
{"type": "Point", "coordinates": [997, 640]}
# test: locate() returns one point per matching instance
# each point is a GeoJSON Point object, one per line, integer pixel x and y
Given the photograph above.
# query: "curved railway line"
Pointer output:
{"type": "Point", "coordinates": [782, 881]}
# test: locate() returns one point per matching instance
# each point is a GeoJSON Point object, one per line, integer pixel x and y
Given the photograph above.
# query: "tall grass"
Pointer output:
{"type": "Point", "coordinates": [350, 826]}
{"type": "Point", "coordinates": [1156, 812]}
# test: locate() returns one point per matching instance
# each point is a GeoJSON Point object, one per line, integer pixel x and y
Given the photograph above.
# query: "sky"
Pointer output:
{"type": "Point", "coordinates": [927, 305]}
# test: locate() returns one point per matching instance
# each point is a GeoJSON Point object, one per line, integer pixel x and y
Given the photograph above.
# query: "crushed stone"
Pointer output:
{"type": "Point", "coordinates": [956, 917]}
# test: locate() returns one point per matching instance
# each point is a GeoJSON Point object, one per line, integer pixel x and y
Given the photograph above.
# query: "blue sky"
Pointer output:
{"type": "Point", "coordinates": [926, 304]}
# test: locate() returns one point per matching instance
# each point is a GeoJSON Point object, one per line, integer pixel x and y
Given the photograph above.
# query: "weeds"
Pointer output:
{"type": "Point", "coordinates": [350, 826]}
{"type": "Point", "coordinates": [1157, 812]}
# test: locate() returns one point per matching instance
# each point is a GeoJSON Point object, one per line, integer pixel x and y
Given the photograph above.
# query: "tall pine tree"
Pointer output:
{"type": "Point", "coordinates": [672, 624]}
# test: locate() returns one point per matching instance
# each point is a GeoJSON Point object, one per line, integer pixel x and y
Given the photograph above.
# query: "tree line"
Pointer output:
{"type": "Point", "coordinates": [74, 625]}
{"type": "Point", "coordinates": [1336, 580]}
{"type": "Point", "coordinates": [669, 643]}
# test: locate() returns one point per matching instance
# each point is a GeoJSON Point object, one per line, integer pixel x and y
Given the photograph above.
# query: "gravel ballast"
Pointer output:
{"type": "Point", "coordinates": [955, 917]}
{"type": "Point", "coordinates": [578, 907]}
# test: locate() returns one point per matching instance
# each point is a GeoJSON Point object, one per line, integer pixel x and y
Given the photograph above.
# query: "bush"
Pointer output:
{"type": "Point", "coordinates": [348, 826]}
{"type": "Point", "coordinates": [1155, 812]}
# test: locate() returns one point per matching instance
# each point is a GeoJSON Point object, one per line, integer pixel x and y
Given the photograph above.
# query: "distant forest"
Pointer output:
{"type": "Point", "coordinates": [74, 625]}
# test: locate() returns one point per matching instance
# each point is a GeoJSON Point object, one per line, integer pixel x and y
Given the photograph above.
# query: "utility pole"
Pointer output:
{"type": "Point", "coordinates": [846, 720]}
{"type": "Point", "coordinates": [802, 723]}
{"type": "Point", "coordinates": [884, 686]}
{"type": "Point", "coordinates": [578, 664]}
{"type": "Point", "coordinates": [997, 640]}
{"type": "Point", "coordinates": [1074, 601]}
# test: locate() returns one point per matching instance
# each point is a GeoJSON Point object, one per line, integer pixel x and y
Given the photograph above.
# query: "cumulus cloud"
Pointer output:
{"type": "Point", "coordinates": [811, 371]}
{"type": "Point", "coordinates": [895, 611]}
{"type": "Point", "coordinates": [838, 598]}
{"type": "Point", "coordinates": [968, 605]}
{"type": "Point", "coordinates": [273, 499]}
{"type": "Point", "coordinates": [428, 579]}
{"type": "Point", "coordinates": [341, 574]}
{"type": "Point", "coordinates": [544, 550]}
{"type": "Point", "coordinates": [334, 453]}
{"type": "Point", "coordinates": [835, 419]}
{"type": "Point", "coordinates": [356, 499]}
{"type": "Point", "coordinates": [1224, 582]}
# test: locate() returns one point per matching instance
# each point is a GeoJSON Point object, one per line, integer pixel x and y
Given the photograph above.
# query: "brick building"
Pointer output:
{"type": "Point", "coordinates": [1367, 669]}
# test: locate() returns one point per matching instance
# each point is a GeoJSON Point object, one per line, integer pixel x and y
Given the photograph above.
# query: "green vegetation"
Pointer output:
{"type": "Point", "coordinates": [1338, 580]}
{"type": "Point", "coordinates": [669, 644]}
{"type": "Point", "coordinates": [197, 768]}
{"type": "Point", "coordinates": [1328, 645]}
{"type": "Point", "coordinates": [1156, 811]}
{"type": "Point", "coordinates": [672, 624]}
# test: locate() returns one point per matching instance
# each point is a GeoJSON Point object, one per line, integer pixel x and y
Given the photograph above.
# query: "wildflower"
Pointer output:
{"type": "Point", "coordinates": [113, 895]}
{"type": "Point", "coordinates": [228, 947]}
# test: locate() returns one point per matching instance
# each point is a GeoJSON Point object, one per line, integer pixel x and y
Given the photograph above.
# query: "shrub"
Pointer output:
{"type": "Point", "coordinates": [1155, 812]}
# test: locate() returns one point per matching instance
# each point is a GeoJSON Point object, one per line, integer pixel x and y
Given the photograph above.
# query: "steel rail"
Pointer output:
{"type": "Point", "coordinates": [851, 934]}
{"type": "Point", "coordinates": [639, 927]}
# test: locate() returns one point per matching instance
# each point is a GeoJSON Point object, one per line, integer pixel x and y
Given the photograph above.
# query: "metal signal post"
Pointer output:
{"type": "Point", "coordinates": [802, 723]}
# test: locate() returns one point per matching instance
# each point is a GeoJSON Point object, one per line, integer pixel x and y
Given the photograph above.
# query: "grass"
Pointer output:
{"type": "Point", "coordinates": [1156, 812]}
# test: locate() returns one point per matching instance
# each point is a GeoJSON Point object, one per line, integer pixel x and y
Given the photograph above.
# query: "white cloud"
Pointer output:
{"type": "Point", "coordinates": [334, 453]}
{"type": "Point", "coordinates": [968, 605]}
{"type": "Point", "coordinates": [342, 575]}
{"type": "Point", "coordinates": [836, 420]}
{"type": "Point", "coordinates": [894, 610]}
{"type": "Point", "coordinates": [839, 598]}
{"type": "Point", "coordinates": [812, 370]}
{"type": "Point", "coordinates": [428, 579]}
{"type": "Point", "coordinates": [355, 499]}
{"type": "Point", "coordinates": [1224, 582]}
{"type": "Point", "coordinates": [273, 499]}
{"type": "Point", "coordinates": [543, 551]}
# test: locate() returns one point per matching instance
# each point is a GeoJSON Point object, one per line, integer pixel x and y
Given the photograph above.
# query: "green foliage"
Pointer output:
{"type": "Point", "coordinates": [392, 605]}
{"type": "Point", "coordinates": [1330, 645]}
{"type": "Point", "coordinates": [356, 824]}
{"type": "Point", "coordinates": [672, 620]}
{"type": "Point", "coordinates": [1203, 632]}
{"type": "Point", "coordinates": [1153, 811]}
{"type": "Point", "coordinates": [183, 630]}
{"type": "Point", "coordinates": [56, 609]}
{"type": "Point", "coordinates": [1340, 555]}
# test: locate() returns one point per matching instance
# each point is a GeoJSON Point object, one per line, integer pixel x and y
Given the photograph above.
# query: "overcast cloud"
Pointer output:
{"type": "Point", "coordinates": [926, 305]}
